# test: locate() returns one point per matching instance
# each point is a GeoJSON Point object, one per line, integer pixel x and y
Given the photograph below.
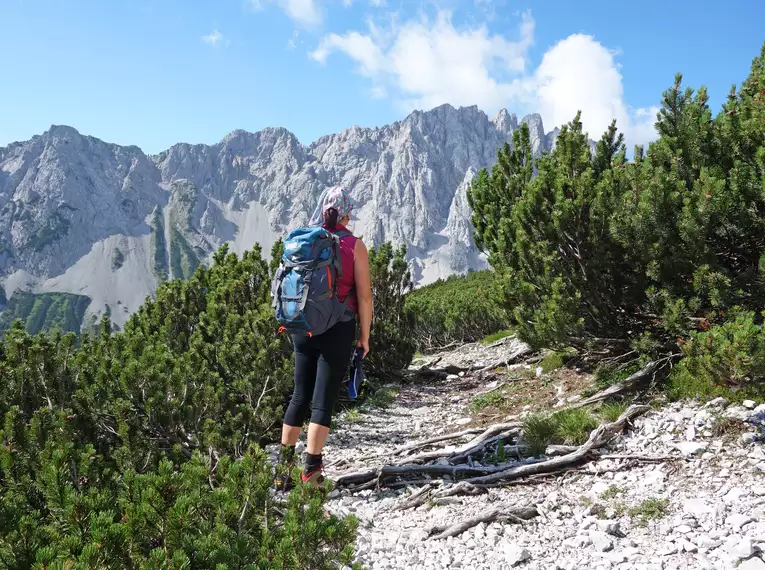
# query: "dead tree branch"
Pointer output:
{"type": "Point", "coordinates": [598, 438]}
{"type": "Point", "coordinates": [502, 514]}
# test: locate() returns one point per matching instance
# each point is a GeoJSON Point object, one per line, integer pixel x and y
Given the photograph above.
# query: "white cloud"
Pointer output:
{"type": "Point", "coordinates": [424, 63]}
{"type": "Point", "coordinates": [431, 63]}
{"type": "Point", "coordinates": [214, 38]}
{"type": "Point", "coordinates": [303, 11]}
{"type": "Point", "coordinates": [307, 13]}
{"type": "Point", "coordinates": [578, 73]}
{"type": "Point", "coordinates": [361, 48]}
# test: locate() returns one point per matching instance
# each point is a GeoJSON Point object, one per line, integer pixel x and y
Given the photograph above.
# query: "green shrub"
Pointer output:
{"type": "Point", "coordinates": [64, 506]}
{"type": "Point", "coordinates": [641, 251]}
{"type": "Point", "coordinates": [727, 360]}
{"type": "Point", "coordinates": [392, 343]}
{"type": "Point", "coordinates": [459, 309]}
{"type": "Point", "coordinates": [141, 449]}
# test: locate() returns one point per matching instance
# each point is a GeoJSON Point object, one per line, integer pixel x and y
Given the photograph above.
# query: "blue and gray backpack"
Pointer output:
{"type": "Point", "coordinates": [304, 288]}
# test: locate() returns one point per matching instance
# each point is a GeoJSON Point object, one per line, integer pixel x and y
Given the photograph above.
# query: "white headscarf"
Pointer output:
{"type": "Point", "coordinates": [332, 198]}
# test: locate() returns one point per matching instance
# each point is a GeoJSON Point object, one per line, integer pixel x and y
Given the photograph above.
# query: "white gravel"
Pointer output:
{"type": "Point", "coordinates": [715, 493]}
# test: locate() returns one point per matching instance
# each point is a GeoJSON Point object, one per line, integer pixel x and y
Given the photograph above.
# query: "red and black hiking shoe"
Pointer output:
{"type": "Point", "coordinates": [315, 477]}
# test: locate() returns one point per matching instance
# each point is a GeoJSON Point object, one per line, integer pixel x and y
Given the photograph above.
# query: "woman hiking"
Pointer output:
{"type": "Point", "coordinates": [321, 361]}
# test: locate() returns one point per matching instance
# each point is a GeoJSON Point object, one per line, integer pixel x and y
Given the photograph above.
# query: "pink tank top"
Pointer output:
{"type": "Point", "coordinates": [347, 281]}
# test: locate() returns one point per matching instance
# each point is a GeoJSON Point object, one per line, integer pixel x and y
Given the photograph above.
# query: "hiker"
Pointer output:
{"type": "Point", "coordinates": [321, 360]}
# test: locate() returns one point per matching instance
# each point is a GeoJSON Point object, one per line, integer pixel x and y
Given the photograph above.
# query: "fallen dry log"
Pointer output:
{"type": "Point", "coordinates": [425, 443]}
{"type": "Point", "coordinates": [431, 493]}
{"type": "Point", "coordinates": [644, 458]}
{"type": "Point", "coordinates": [553, 450]}
{"type": "Point", "coordinates": [650, 371]}
{"type": "Point", "coordinates": [489, 436]}
{"type": "Point", "coordinates": [501, 514]}
{"type": "Point", "coordinates": [472, 477]}
{"type": "Point", "coordinates": [476, 449]}
{"type": "Point", "coordinates": [462, 488]}
{"type": "Point", "coordinates": [383, 474]}
{"type": "Point", "coordinates": [521, 349]}
{"type": "Point", "coordinates": [419, 497]}
{"type": "Point", "coordinates": [440, 470]}
{"type": "Point", "coordinates": [598, 438]}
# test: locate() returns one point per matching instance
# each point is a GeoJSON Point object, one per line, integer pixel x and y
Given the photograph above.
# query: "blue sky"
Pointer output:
{"type": "Point", "coordinates": [155, 72]}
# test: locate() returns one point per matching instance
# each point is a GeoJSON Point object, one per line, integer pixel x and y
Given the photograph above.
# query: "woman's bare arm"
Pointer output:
{"type": "Point", "coordinates": [363, 285]}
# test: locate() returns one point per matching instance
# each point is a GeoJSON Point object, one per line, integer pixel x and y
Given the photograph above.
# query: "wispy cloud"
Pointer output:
{"type": "Point", "coordinates": [308, 13]}
{"type": "Point", "coordinates": [214, 39]}
{"type": "Point", "coordinates": [293, 41]}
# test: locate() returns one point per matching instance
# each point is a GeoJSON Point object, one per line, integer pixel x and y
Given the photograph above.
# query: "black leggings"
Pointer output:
{"type": "Point", "coordinates": [320, 366]}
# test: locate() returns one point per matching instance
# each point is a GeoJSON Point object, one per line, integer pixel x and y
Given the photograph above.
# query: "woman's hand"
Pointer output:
{"type": "Point", "coordinates": [363, 343]}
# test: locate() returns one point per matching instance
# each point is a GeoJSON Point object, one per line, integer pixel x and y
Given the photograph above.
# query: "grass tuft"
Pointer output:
{"type": "Point", "coordinates": [573, 427]}
{"type": "Point", "coordinates": [610, 411]}
{"type": "Point", "coordinates": [383, 398]}
{"type": "Point", "coordinates": [495, 398]}
{"type": "Point", "coordinates": [611, 493]}
{"type": "Point", "coordinates": [650, 509]}
{"type": "Point", "coordinates": [492, 338]}
{"type": "Point", "coordinates": [538, 432]}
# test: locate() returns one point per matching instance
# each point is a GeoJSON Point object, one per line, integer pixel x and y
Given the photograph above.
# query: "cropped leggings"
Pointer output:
{"type": "Point", "coordinates": [320, 366]}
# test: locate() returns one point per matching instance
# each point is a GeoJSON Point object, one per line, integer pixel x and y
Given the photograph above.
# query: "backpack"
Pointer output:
{"type": "Point", "coordinates": [304, 288]}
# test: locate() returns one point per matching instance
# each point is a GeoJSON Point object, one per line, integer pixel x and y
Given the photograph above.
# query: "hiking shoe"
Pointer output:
{"type": "Point", "coordinates": [314, 478]}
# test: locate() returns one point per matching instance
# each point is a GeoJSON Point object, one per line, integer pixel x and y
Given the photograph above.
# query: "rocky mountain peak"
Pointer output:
{"type": "Point", "coordinates": [88, 217]}
{"type": "Point", "coordinates": [505, 122]}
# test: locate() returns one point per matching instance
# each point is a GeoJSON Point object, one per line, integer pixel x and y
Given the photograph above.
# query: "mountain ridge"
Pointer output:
{"type": "Point", "coordinates": [84, 216]}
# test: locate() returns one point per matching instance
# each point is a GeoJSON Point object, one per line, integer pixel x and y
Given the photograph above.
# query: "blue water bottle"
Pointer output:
{"type": "Point", "coordinates": [357, 373]}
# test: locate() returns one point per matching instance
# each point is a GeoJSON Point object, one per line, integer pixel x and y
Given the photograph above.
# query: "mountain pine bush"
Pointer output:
{"type": "Point", "coordinates": [591, 244]}
{"type": "Point", "coordinates": [462, 308]}
{"type": "Point", "coordinates": [392, 344]}
{"type": "Point", "coordinates": [140, 449]}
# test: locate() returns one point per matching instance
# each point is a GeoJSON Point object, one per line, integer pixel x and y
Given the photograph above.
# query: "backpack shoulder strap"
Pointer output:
{"type": "Point", "coordinates": [342, 233]}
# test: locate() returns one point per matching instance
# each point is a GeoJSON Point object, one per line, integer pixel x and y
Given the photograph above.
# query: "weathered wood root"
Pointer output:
{"type": "Point", "coordinates": [419, 497]}
{"type": "Point", "coordinates": [421, 444]}
{"type": "Point", "coordinates": [501, 514]}
{"type": "Point", "coordinates": [428, 370]}
{"type": "Point", "coordinates": [503, 473]}
{"type": "Point", "coordinates": [598, 438]}
{"type": "Point", "coordinates": [643, 458]}
{"type": "Point", "coordinates": [430, 493]}
{"type": "Point", "coordinates": [489, 436]}
{"type": "Point", "coordinates": [391, 471]}
{"type": "Point", "coordinates": [650, 371]}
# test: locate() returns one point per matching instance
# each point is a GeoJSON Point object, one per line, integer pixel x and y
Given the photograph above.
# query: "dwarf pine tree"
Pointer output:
{"type": "Point", "coordinates": [594, 245]}
{"type": "Point", "coordinates": [140, 449]}
{"type": "Point", "coordinates": [391, 342]}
